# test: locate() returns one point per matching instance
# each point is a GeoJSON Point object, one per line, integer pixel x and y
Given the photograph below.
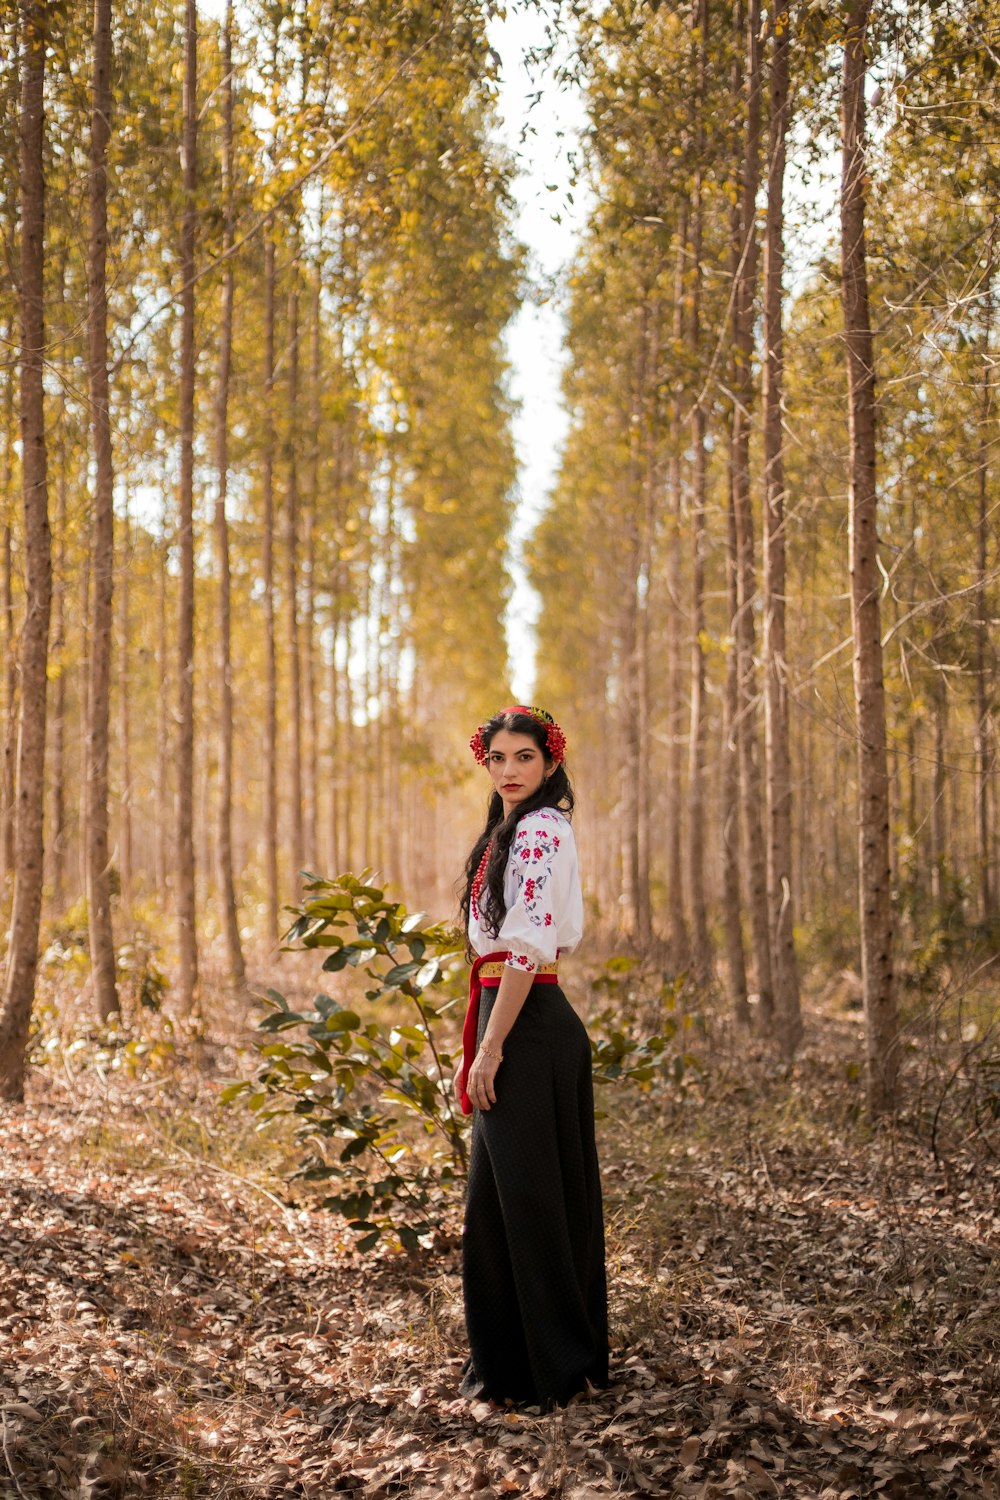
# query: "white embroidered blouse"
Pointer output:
{"type": "Point", "coordinates": [541, 892]}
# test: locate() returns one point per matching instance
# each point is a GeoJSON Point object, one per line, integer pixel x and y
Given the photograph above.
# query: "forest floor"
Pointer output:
{"type": "Point", "coordinates": [799, 1307]}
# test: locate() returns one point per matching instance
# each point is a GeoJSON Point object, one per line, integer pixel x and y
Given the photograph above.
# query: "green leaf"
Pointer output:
{"type": "Point", "coordinates": [399, 973]}
{"type": "Point", "coordinates": [343, 1020]}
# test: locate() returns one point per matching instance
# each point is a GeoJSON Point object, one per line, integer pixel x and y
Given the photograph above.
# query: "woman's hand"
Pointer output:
{"type": "Point", "coordinates": [480, 1085]}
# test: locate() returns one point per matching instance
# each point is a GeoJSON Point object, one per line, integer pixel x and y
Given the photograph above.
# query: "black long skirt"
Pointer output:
{"type": "Point", "coordinates": [533, 1274]}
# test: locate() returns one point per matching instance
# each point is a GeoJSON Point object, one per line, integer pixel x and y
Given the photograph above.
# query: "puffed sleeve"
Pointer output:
{"type": "Point", "coordinates": [544, 902]}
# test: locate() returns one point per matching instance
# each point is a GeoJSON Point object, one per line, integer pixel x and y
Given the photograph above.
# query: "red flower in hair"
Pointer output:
{"type": "Point", "coordinates": [478, 745]}
{"type": "Point", "coordinates": [555, 740]}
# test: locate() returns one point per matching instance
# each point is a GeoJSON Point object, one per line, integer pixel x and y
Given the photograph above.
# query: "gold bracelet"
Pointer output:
{"type": "Point", "coordinates": [489, 1053]}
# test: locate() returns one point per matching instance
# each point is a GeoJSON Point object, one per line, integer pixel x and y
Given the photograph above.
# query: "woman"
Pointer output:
{"type": "Point", "coordinates": [533, 1264]}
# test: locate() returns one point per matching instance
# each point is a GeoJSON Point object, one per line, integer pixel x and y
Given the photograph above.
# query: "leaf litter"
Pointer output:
{"type": "Point", "coordinates": [797, 1310]}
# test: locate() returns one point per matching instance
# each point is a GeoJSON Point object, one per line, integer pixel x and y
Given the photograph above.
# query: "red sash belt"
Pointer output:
{"type": "Point", "coordinates": [486, 973]}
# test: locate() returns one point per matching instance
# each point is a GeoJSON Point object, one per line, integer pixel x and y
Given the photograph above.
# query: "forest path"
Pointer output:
{"type": "Point", "coordinates": [796, 1312]}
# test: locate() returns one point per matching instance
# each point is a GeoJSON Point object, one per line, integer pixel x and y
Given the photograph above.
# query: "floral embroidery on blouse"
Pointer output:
{"type": "Point", "coordinates": [534, 850]}
{"type": "Point", "coordinates": [521, 961]}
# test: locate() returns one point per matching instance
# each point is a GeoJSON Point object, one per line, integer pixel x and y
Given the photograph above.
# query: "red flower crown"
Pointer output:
{"type": "Point", "coordinates": [555, 739]}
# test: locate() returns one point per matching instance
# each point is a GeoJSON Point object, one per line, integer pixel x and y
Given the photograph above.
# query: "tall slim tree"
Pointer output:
{"type": "Point", "coordinates": [224, 848]}
{"type": "Point", "coordinates": [102, 945]}
{"type": "Point", "coordinates": [784, 972]}
{"type": "Point", "coordinates": [8, 730]}
{"type": "Point", "coordinates": [983, 663]}
{"type": "Point", "coordinates": [270, 642]}
{"type": "Point", "coordinates": [746, 730]}
{"type": "Point", "coordinates": [187, 935]}
{"type": "Point", "coordinates": [22, 952]}
{"type": "Point", "coordinates": [882, 1030]}
{"type": "Point", "coordinates": [292, 573]}
{"type": "Point", "coordinates": [125, 828]}
{"type": "Point", "coordinates": [163, 821]}
{"type": "Point", "coordinates": [679, 947]}
{"type": "Point", "coordinates": [701, 943]}
{"type": "Point", "coordinates": [57, 656]}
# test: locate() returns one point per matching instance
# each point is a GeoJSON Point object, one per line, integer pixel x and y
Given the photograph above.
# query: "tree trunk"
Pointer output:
{"type": "Point", "coordinates": [220, 531]}
{"type": "Point", "coordinates": [700, 938]}
{"type": "Point", "coordinates": [8, 745]}
{"type": "Point", "coordinates": [187, 934]}
{"type": "Point", "coordinates": [270, 645]}
{"type": "Point", "coordinates": [292, 577]}
{"type": "Point", "coordinates": [644, 585]}
{"type": "Point", "coordinates": [337, 855]}
{"type": "Point", "coordinates": [747, 737]}
{"type": "Point", "coordinates": [22, 953]}
{"type": "Point", "coordinates": [339, 839]}
{"type": "Point", "coordinates": [983, 654]}
{"type": "Point", "coordinates": [160, 859]}
{"type": "Point", "coordinates": [125, 859]}
{"type": "Point", "coordinates": [730, 764]}
{"type": "Point", "coordinates": [882, 1032]}
{"type": "Point", "coordinates": [730, 806]}
{"type": "Point", "coordinates": [672, 812]}
{"type": "Point", "coordinates": [635, 899]}
{"type": "Point", "coordinates": [939, 798]}
{"type": "Point", "coordinates": [83, 680]}
{"type": "Point", "coordinates": [57, 654]}
{"type": "Point", "coordinates": [788, 1018]}
{"type": "Point", "coordinates": [102, 945]}
{"type": "Point", "coordinates": [7, 818]}
{"type": "Point", "coordinates": [311, 519]}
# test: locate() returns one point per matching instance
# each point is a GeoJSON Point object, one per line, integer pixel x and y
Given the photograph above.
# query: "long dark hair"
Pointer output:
{"type": "Point", "coordinates": [555, 791]}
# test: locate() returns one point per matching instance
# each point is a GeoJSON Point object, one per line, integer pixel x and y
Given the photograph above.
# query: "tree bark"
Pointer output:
{"type": "Point", "coordinates": [7, 819]}
{"type": "Point", "coordinates": [984, 669]}
{"type": "Point", "coordinates": [700, 938]}
{"type": "Point", "coordinates": [83, 682]}
{"type": "Point", "coordinates": [270, 645]}
{"type": "Point", "coordinates": [220, 532]}
{"type": "Point", "coordinates": [22, 953]}
{"type": "Point", "coordinates": [126, 864]}
{"type": "Point", "coordinates": [788, 1017]}
{"type": "Point", "coordinates": [163, 820]}
{"type": "Point", "coordinates": [311, 519]}
{"type": "Point", "coordinates": [730, 804]}
{"type": "Point", "coordinates": [635, 885]}
{"type": "Point", "coordinates": [8, 747]}
{"type": "Point", "coordinates": [644, 585]}
{"type": "Point", "coordinates": [102, 945]}
{"type": "Point", "coordinates": [186, 922]}
{"type": "Point", "coordinates": [747, 737]}
{"type": "Point", "coordinates": [58, 657]}
{"type": "Point", "coordinates": [292, 577]}
{"type": "Point", "coordinates": [939, 796]}
{"type": "Point", "coordinates": [882, 1031]}
{"type": "Point", "coordinates": [673, 817]}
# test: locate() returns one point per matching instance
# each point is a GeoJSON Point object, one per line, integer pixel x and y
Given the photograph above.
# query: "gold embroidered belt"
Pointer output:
{"type": "Point", "coordinates": [493, 969]}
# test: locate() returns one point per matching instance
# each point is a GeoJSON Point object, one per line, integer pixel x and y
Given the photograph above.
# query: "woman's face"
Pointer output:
{"type": "Point", "coordinates": [516, 765]}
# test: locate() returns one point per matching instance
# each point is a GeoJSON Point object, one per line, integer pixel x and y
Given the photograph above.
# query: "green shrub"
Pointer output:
{"type": "Point", "coordinates": [374, 1099]}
